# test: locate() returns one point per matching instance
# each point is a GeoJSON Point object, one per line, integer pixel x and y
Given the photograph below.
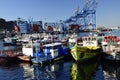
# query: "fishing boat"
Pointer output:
{"type": "Point", "coordinates": [9, 56]}
{"type": "Point", "coordinates": [9, 41]}
{"type": "Point", "coordinates": [111, 48]}
{"type": "Point", "coordinates": [72, 39]}
{"type": "Point", "coordinates": [85, 48]}
{"type": "Point", "coordinates": [45, 53]}
{"type": "Point", "coordinates": [64, 40]}
{"type": "Point", "coordinates": [52, 52]}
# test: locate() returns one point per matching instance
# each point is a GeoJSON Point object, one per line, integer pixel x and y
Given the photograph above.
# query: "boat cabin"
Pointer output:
{"type": "Point", "coordinates": [90, 41]}
{"type": "Point", "coordinates": [30, 48]}
{"type": "Point", "coordinates": [54, 49]}
{"type": "Point", "coordinates": [111, 43]}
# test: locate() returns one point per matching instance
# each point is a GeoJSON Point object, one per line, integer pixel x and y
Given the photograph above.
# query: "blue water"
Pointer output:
{"type": "Point", "coordinates": [58, 71]}
{"type": "Point", "coordinates": [25, 71]}
{"type": "Point", "coordinates": [61, 70]}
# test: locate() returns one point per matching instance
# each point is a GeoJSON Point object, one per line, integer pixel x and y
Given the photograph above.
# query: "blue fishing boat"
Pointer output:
{"type": "Point", "coordinates": [45, 53]}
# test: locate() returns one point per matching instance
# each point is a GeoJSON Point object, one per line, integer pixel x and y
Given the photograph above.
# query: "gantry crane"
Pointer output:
{"type": "Point", "coordinates": [86, 18]}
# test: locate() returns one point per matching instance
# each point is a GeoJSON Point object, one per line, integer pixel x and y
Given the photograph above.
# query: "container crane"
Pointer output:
{"type": "Point", "coordinates": [90, 14]}
{"type": "Point", "coordinates": [86, 17]}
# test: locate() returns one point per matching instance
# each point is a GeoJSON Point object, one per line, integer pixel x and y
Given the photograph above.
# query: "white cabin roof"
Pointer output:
{"type": "Point", "coordinates": [53, 44]}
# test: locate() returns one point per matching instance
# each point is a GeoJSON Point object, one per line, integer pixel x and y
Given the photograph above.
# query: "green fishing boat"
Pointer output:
{"type": "Point", "coordinates": [86, 48]}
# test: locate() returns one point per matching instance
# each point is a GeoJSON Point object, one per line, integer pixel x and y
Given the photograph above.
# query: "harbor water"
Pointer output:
{"type": "Point", "coordinates": [61, 70]}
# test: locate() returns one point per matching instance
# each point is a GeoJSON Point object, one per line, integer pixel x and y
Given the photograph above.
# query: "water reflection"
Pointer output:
{"type": "Point", "coordinates": [83, 71]}
{"type": "Point", "coordinates": [118, 73]}
{"type": "Point", "coordinates": [11, 72]}
{"type": "Point", "coordinates": [25, 71]}
{"type": "Point", "coordinates": [111, 72]}
{"type": "Point", "coordinates": [38, 72]}
{"type": "Point", "coordinates": [45, 72]}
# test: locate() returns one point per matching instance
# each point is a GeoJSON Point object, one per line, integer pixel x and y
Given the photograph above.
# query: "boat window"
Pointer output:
{"type": "Point", "coordinates": [80, 39]}
{"type": "Point", "coordinates": [25, 42]}
{"type": "Point", "coordinates": [47, 47]}
{"type": "Point", "coordinates": [34, 49]}
{"type": "Point", "coordinates": [89, 39]}
{"type": "Point", "coordinates": [94, 38]}
{"type": "Point", "coordinates": [56, 47]}
{"type": "Point", "coordinates": [105, 37]}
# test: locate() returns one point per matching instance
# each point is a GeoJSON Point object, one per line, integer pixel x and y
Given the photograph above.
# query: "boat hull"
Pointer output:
{"type": "Point", "coordinates": [110, 58]}
{"type": "Point", "coordinates": [45, 60]}
{"type": "Point", "coordinates": [9, 60]}
{"type": "Point", "coordinates": [9, 44]}
{"type": "Point", "coordinates": [24, 58]}
{"type": "Point", "coordinates": [83, 53]}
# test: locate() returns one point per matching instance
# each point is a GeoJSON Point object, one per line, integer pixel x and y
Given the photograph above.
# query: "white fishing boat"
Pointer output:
{"type": "Point", "coordinates": [72, 38]}
{"type": "Point", "coordinates": [111, 48]}
{"type": "Point", "coordinates": [10, 41]}
{"type": "Point", "coordinates": [49, 38]}
{"type": "Point", "coordinates": [30, 48]}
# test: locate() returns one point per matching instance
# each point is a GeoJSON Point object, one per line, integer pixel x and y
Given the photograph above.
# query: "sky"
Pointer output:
{"type": "Point", "coordinates": [107, 11]}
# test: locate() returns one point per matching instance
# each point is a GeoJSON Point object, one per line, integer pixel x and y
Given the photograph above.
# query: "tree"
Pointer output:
{"type": "Point", "coordinates": [2, 23]}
